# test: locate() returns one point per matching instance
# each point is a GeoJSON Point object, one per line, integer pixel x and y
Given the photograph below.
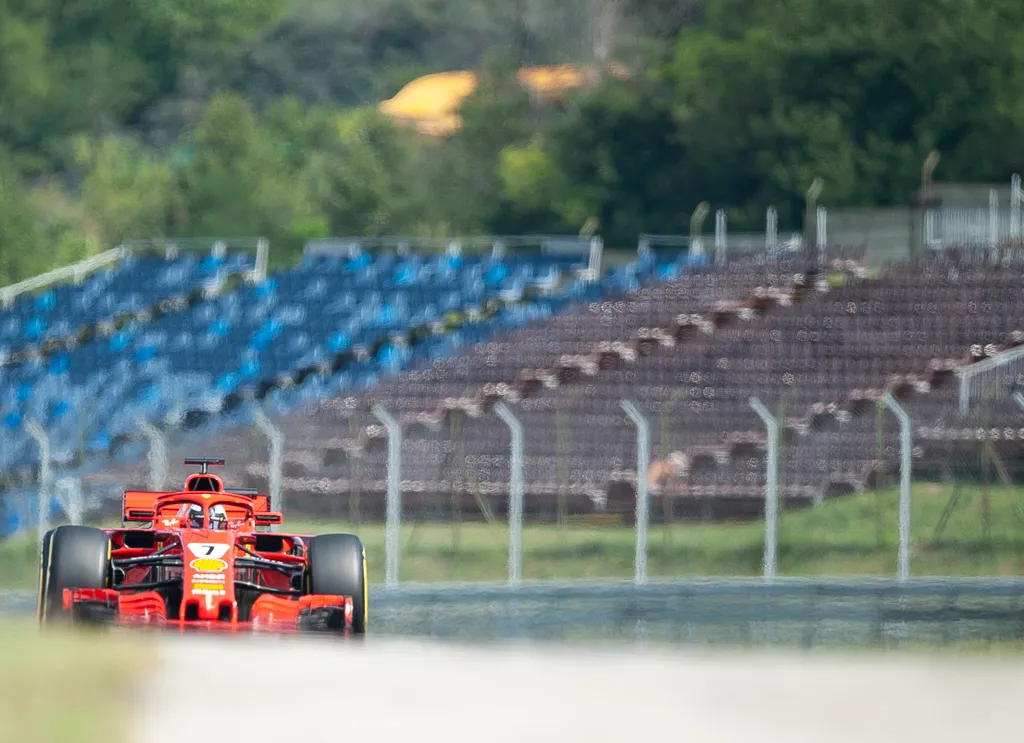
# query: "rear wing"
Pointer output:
{"type": "Point", "coordinates": [140, 505]}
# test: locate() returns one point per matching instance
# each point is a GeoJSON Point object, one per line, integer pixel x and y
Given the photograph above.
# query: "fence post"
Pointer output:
{"type": "Point", "coordinates": [696, 225]}
{"type": "Point", "coordinates": [771, 231]}
{"type": "Point", "coordinates": [821, 228]}
{"type": "Point", "coordinates": [515, 493]}
{"type": "Point", "coordinates": [262, 259]}
{"type": "Point", "coordinates": [157, 455]}
{"type": "Point", "coordinates": [393, 524]}
{"type": "Point", "coordinates": [771, 490]}
{"type": "Point", "coordinates": [721, 237]}
{"type": "Point", "coordinates": [45, 475]}
{"type": "Point", "coordinates": [993, 218]}
{"type": "Point", "coordinates": [594, 262]}
{"type": "Point", "coordinates": [275, 442]}
{"type": "Point", "coordinates": [810, 212]}
{"type": "Point", "coordinates": [643, 464]}
{"type": "Point", "coordinates": [1015, 194]}
{"type": "Point", "coordinates": [69, 495]}
{"type": "Point", "coordinates": [906, 464]}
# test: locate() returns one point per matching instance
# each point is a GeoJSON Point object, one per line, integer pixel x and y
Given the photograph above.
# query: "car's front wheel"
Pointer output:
{"type": "Point", "coordinates": [337, 567]}
{"type": "Point", "coordinates": [73, 557]}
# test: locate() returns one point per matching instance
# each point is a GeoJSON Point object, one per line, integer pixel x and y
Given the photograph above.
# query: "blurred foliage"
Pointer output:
{"type": "Point", "coordinates": [243, 117]}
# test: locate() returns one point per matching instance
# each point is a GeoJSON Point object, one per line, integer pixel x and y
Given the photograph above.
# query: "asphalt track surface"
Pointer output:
{"type": "Point", "coordinates": [393, 689]}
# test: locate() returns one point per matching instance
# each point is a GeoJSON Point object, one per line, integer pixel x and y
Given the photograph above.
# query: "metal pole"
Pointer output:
{"type": "Point", "coordinates": [771, 490]}
{"type": "Point", "coordinates": [594, 263]}
{"type": "Point", "coordinates": [721, 239]}
{"type": "Point", "coordinates": [69, 495]}
{"type": "Point", "coordinates": [927, 170]}
{"type": "Point", "coordinates": [821, 225]}
{"type": "Point", "coordinates": [906, 444]}
{"type": "Point", "coordinates": [157, 455]}
{"type": "Point", "coordinates": [993, 218]}
{"type": "Point", "coordinates": [515, 493]}
{"type": "Point", "coordinates": [45, 476]}
{"type": "Point", "coordinates": [394, 497]}
{"type": "Point", "coordinates": [262, 259]}
{"type": "Point", "coordinates": [643, 463]}
{"type": "Point", "coordinates": [810, 204]}
{"type": "Point", "coordinates": [696, 224]}
{"type": "Point", "coordinates": [963, 394]}
{"type": "Point", "coordinates": [1015, 198]}
{"type": "Point", "coordinates": [275, 441]}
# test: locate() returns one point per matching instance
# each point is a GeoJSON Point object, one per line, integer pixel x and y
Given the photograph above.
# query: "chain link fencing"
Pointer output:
{"type": "Point", "coordinates": [458, 499]}
{"type": "Point", "coordinates": [880, 495]}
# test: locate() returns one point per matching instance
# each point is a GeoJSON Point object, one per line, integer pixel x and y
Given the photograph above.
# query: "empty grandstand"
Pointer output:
{"type": "Point", "coordinates": [690, 352]}
{"type": "Point", "coordinates": [437, 334]}
{"type": "Point", "coordinates": [170, 340]}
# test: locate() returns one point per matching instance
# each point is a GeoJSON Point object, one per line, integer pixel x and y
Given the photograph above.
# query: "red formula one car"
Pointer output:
{"type": "Point", "coordinates": [203, 558]}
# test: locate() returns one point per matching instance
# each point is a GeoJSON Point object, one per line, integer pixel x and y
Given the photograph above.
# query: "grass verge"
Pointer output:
{"type": "Point", "coordinates": [852, 535]}
{"type": "Point", "coordinates": [64, 686]}
{"type": "Point", "coordinates": [849, 536]}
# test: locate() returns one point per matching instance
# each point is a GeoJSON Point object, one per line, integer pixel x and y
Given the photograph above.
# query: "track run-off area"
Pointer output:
{"type": "Point", "coordinates": [399, 689]}
{"type": "Point", "coordinates": [799, 660]}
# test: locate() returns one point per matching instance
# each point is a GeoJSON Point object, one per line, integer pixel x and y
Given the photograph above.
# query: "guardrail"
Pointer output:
{"type": "Point", "coordinates": [75, 271]}
{"type": "Point", "coordinates": [988, 377]}
{"type": "Point", "coordinates": [804, 612]}
{"type": "Point", "coordinates": [78, 271]}
{"type": "Point", "coordinates": [788, 611]}
{"type": "Point", "coordinates": [591, 246]}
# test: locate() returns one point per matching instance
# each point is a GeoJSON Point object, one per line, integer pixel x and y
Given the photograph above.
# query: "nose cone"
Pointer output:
{"type": "Point", "coordinates": [208, 579]}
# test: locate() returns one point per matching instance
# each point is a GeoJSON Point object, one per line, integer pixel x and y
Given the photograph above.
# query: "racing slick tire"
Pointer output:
{"type": "Point", "coordinates": [337, 567]}
{"type": "Point", "coordinates": [44, 563]}
{"type": "Point", "coordinates": [72, 557]}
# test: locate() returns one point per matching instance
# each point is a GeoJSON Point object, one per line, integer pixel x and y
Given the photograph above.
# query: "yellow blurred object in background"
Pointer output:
{"type": "Point", "coordinates": [430, 103]}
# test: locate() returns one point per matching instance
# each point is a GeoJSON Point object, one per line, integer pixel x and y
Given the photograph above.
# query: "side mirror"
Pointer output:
{"type": "Point", "coordinates": [140, 514]}
{"type": "Point", "coordinates": [268, 519]}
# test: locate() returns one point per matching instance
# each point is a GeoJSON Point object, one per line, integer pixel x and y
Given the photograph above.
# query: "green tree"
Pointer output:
{"type": "Point", "coordinates": [463, 171]}
{"type": "Point", "coordinates": [239, 182]}
{"type": "Point", "coordinates": [855, 92]}
{"type": "Point", "coordinates": [27, 79]}
{"type": "Point", "coordinates": [624, 164]}
{"type": "Point", "coordinates": [19, 240]}
{"type": "Point", "coordinates": [359, 174]}
{"type": "Point", "coordinates": [71, 66]}
{"type": "Point", "coordinates": [127, 191]}
{"type": "Point", "coordinates": [760, 99]}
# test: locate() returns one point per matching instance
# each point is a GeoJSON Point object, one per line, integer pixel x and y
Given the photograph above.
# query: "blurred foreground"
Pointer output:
{"type": "Point", "coordinates": [59, 686]}
{"type": "Point", "coordinates": [395, 690]}
{"type": "Point", "coordinates": [111, 687]}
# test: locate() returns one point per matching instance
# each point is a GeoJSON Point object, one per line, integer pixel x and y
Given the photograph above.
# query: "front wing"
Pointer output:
{"type": "Point", "coordinates": [269, 613]}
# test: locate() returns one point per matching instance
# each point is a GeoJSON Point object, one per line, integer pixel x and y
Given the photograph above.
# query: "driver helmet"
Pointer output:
{"type": "Point", "coordinates": [195, 516]}
{"type": "Point", "coordinates": [218, 517]}
{"type": "Point", "coordinates": [192, 514]}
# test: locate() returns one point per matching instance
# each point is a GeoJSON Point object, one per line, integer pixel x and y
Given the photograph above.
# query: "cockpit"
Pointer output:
{"type": "Point", "coordinates": [195, 516]}
{"type": "Point", "coordinates": [191, 514]}
{"type": "Point", "coordinates": [204, 503]}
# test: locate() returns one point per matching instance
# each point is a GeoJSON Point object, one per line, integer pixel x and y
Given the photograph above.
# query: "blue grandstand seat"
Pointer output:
{"type": "Point", "coordinates": [199, 358]}
{"type": "Point", "coordinates": [134, 284]}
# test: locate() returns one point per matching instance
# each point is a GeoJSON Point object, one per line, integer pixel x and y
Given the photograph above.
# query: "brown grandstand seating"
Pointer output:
{"type": "Point", "coordinates": [690, 353]}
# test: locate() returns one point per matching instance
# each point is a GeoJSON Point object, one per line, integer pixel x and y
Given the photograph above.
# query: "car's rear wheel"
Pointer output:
{"type": "Point", "coordinates": [337, 567]}
{"type": "Point", "coordinates": [72, 557]}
